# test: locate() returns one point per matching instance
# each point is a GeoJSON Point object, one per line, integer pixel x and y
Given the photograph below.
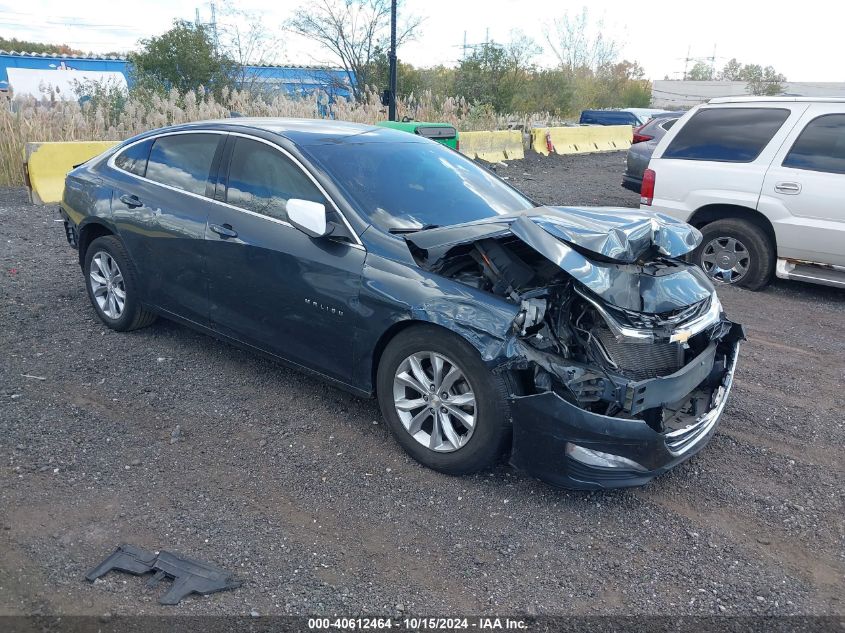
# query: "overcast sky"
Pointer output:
{"type": "Point", "coordinates": [801, 40]}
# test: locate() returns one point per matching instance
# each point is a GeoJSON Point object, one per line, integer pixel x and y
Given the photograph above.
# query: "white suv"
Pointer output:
{"type": "Point", "coordinates": [763, 178]}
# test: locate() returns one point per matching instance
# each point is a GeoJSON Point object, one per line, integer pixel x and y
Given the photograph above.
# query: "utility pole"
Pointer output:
{"type": "Point", "coordinates": [713, 64]}
{"type": "Point", "coordinates": [391, 106]}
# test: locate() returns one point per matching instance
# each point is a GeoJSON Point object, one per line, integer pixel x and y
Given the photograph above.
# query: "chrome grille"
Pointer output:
{"type": "Point", "coordinates": [642, 320]}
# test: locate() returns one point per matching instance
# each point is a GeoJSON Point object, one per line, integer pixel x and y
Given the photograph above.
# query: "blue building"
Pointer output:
{"type": "Point", "coordinates": [295, 80]}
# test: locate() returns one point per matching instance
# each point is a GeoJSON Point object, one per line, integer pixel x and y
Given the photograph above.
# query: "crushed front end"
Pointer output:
{"type": "Point", "coordinates": [608, 402]}
{"type": "Point", "coordinates": [621, 357]}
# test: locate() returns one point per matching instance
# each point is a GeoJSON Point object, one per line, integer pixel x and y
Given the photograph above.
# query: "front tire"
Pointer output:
{"type": "Point", "coordinates": [736, 252]}
{"type": "Point", "coordinates": [113, 287]}
{"type": "Point", "coordinates": [441, 402]}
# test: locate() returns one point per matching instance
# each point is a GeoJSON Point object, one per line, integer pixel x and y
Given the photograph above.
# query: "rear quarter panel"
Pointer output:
{"type": "Point", "coordinates": [87, 197]}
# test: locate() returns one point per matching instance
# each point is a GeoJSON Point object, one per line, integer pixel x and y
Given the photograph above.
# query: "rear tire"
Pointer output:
{"type": "Point", "coordinates": [736, 252]}
{"type": "Point", "coordinates": [470, 449]}
{"type": "Point", "coordinates": [112, 284]}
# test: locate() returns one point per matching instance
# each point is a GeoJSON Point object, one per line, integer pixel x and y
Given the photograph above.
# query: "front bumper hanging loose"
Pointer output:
{"type": "Point", "coordinates": [564, 445]}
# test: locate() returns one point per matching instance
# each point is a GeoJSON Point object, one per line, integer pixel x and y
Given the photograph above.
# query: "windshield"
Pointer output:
{"type": "Point", "coordinates": [407, 186]}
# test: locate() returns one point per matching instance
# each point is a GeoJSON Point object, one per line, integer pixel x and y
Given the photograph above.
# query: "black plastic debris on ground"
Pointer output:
{"type": "Point", "coordinates": [188, 575]}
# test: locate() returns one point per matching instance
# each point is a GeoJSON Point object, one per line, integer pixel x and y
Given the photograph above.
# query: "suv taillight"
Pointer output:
{"type": "Point", "coordinates": [640, 138]}
{"type": "Point", "coordinates": [647, 188]}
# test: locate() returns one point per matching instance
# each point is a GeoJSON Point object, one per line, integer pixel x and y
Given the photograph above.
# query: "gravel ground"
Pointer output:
{"type": "Point", "coordinates": [171, 440]}
{"type": "Point", "coordinates": [585, 179]}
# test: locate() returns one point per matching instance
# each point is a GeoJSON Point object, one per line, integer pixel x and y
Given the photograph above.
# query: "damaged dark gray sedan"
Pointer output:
{"type": "Point", "coordinates": [578, 341]}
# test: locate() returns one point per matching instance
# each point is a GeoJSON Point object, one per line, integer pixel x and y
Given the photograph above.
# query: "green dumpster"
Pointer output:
{"type": "Point", "coordinates": [440, 132]}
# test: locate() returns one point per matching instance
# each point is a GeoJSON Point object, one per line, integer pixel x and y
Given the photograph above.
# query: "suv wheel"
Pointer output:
{"type": "Point", "coordinates": [113, 285]}
{"type": "Point", "coordinates": [441, 402]}
{"type": "Point", "coordinates": [736, 252]}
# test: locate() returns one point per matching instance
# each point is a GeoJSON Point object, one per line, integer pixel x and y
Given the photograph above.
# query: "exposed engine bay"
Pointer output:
{"type": "Point", "coordinates": [612, 319]}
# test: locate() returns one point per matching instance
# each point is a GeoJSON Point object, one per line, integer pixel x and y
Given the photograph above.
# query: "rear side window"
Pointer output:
{"type": "Point", "coordinates": [134, 158]}
{"type": "Point", "coordinates": [668, 125]}
{"type": "Point", "coordinates": [262, 180]}
{"type": "Point", "coordinates": [731, 135]}
{"type": "Point", "coordinates": [821, 146]}
{"type": "Point", "coordinates": [183, 161]}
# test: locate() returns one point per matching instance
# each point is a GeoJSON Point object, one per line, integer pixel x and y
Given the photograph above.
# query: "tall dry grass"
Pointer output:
{"type": "Point", "coordinates": [112, 115]}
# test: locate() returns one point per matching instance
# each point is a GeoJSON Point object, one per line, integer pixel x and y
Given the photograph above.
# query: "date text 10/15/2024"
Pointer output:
{"type": "Point", "coordinates": [418, 624]}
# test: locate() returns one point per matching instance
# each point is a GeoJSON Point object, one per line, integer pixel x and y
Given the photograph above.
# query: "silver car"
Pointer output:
{"type": "Point", "coordinates": [646, 138]}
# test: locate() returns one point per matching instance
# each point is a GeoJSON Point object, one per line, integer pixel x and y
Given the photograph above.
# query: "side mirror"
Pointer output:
{"type": "Point", "coordinates": [309, 217]}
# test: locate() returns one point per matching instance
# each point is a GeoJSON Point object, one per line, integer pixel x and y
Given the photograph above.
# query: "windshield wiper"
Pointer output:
{"type": "Point", "coordinates": [402, 230]}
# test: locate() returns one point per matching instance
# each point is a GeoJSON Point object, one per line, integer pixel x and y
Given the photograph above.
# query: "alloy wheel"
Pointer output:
{"type": "Point", "coordinates": [725, 259]}
{"type": "Point", "coordinates": [107, 285]}
{"type": "Point", "coordinates": [434, 401]}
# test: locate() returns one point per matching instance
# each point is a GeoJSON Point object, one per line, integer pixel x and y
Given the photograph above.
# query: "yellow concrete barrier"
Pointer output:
{"type": "Point", "coordinates": [47, 164]}
{"type": "Point", "coordinates": [493, 146]}
{"type": "Point", "coordinates": [582, 139]}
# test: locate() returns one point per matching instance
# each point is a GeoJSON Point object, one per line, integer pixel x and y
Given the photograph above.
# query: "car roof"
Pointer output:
{"type": "Point", "coordinates": [669, 115]}
{"type": "Point", "coordinates": [777, 100]}
{"type": "Point", "coordinates": [304, 131]}
{"type": "Point", "coordinates": [644, 110]}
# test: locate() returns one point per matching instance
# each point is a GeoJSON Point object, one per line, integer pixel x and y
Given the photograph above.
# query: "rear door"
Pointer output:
{"type": "Point", "coordinates": [160, 206]}
{"type": "Point", "coordinates": [270, 285]}
{"type": "Point", "coordinates": [804, 188]}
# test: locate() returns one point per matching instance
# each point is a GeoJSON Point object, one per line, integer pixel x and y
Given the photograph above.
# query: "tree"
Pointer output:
{"type": "Point", "coordinates": [495, 74]}
{"type": "Point", "coordinates": [700, 72]}
{"type": "Point", "coordinates": [246, 40]}
{"type": "Point", "coordinates": [579, 46]}
{"type": "Point", "coordinates": [547, 90]}
{"type": "Point", "coordinates": [618, 85]}
{"type": "Point", "coordinates": [763, 81]}
{"type": "Point", "coordinates": [759, 80]}
{"type": "Point", "coordinates": [354, 32]}
{"type": "Point", "coordinates": [732, 71]}
{"type": "Point", "coordinates": [184, 58]}
{"type": "Point", "coordinates": [24, 46]}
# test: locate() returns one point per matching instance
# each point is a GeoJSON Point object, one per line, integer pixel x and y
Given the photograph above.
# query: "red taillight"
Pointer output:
{"type": "Point", "coordinates": [647, 188]}
{"type": "Point", "coordinates": [640, 138]}
{"type": "Point", "coordinates": [458, 145]}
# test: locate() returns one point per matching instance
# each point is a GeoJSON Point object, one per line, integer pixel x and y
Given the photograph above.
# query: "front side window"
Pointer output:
{"type": "Point", "coordinates": [821, 146]}
{"type": "Point", "coordinates": [731, 135]}
{"type": "Point", "coordinates": [262, 180]}
{"type": "Point", "coordinates": [183, 160]}
{"type": "Point", "coordinates": [134, 158]}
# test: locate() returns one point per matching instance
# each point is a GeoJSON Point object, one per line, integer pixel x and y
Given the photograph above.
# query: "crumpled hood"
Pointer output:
{"type": "Point", "coordinates": [623, 235]}
{"type": "Point", "coordinates": [599, 247]}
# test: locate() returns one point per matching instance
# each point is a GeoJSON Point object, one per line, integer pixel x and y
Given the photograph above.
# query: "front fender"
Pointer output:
{"type": "Point", "coordinates": [395, 294]}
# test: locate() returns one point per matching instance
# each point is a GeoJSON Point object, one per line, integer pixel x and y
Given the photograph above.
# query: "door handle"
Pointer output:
{"type": "Point", "coordinates": [130, 201]}
{"type": "Point", "coordinates": [788, 187]}
{"type": "Point", "coordinates": [225, 231]}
